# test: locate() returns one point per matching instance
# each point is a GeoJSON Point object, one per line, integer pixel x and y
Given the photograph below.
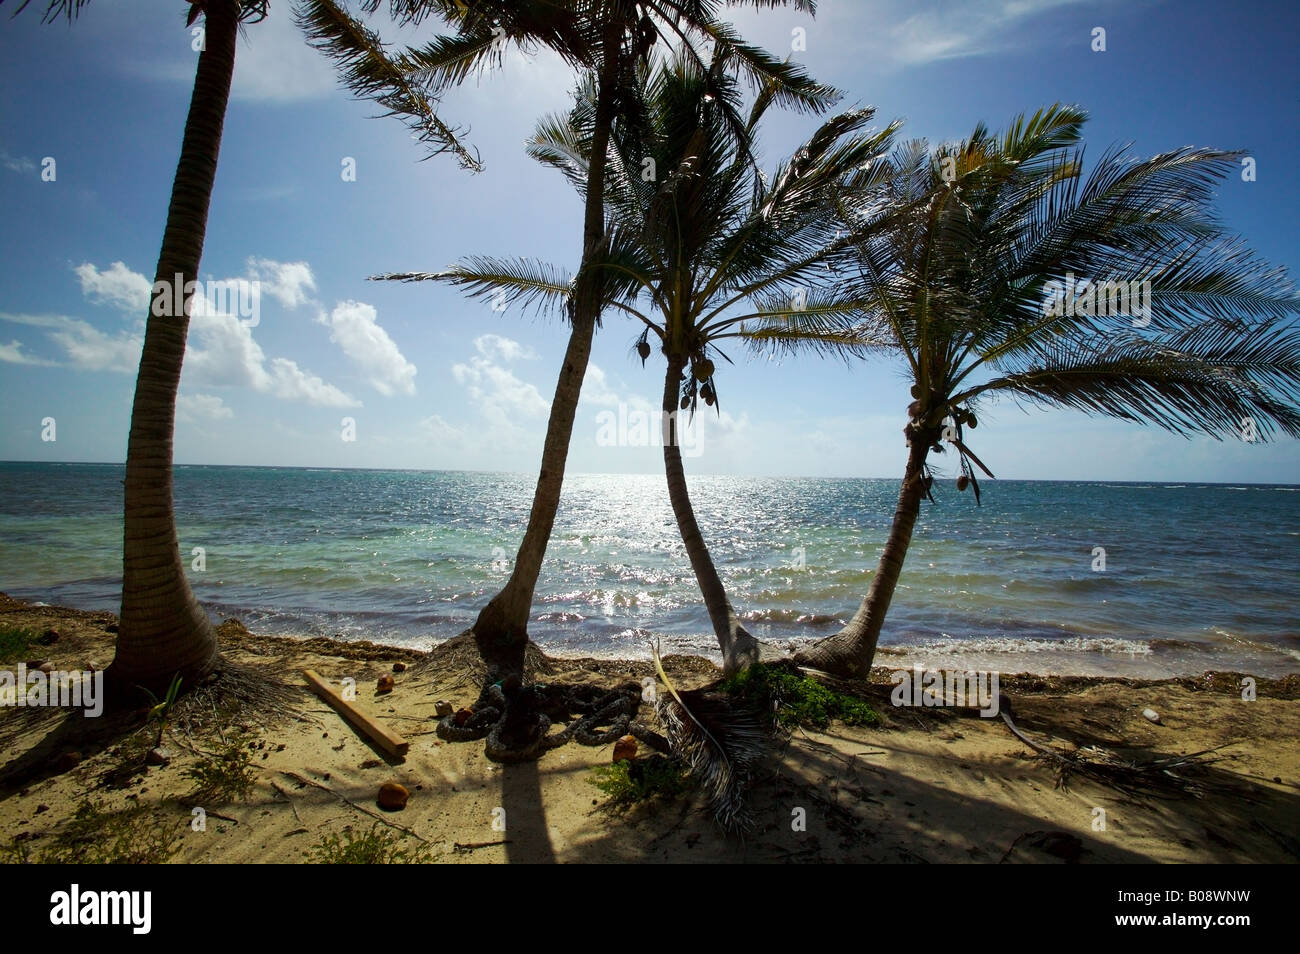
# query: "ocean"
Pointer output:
{"type": "Point", "coordinates": [1195, 576]}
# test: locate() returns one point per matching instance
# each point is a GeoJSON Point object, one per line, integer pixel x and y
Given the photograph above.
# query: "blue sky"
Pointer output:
{"type": "Point", "coordinates": [435, 381]}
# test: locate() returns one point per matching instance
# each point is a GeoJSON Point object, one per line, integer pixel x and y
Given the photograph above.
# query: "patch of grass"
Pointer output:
{"type": "Point", "coordinates": [378, 846]}
{"type": "Point", "coordinates": [16, 643]}
{"type": "Point", "coordinates": [222, 776]}
{"type": "Point", "coordinates": [796, 699]}
{"type": "Point", "coordinates": [94, 835]}
{"type": "Point", "coordinates": [632, 781]}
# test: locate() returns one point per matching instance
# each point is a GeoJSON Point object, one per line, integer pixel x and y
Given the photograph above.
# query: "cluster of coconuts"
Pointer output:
{"type": "Point", "coordinates": [963, 416]}
{"type": "Point", "coordinates": [702, 370]}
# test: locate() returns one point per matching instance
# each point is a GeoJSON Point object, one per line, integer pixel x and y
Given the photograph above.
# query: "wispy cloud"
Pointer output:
{"type": "Point", "coordinates": [19, 164]}
{"type": "Point", "coordinates": [196, 407]}
{"type": "Point", "coordinates": [900, 33]}
{"type": "Point", "coordinates": [12, 353]}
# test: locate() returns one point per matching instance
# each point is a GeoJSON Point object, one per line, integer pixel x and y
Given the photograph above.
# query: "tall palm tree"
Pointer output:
{"type": "Point", "coordinates": [710, 249]}
{"type": "Point", "coordinates": [607, 38]}
{"type": "Point", "coordinates": [980, 286]}
{"type": "Point", "coordinates": [163, 630]}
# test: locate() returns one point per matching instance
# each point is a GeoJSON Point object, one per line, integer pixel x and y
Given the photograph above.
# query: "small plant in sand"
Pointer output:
{"type": "Point", "coordinates": [15, 641]}
{"type": "Point", "coordinates": [96, 835]}
{"type": "Point", "coordinates": [796, 699]}
{"type": "Point", "coordinates": [222, 776]}
{"type": "Point", "coordinates": [632, 781]}
{"type": "Point", "coordinates": [162, 708]}
{"type": "Point", "coordinates": [377, 846]}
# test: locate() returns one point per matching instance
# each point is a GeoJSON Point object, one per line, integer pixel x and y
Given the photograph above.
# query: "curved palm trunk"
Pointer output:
{"type": "Point", "coordinates": [851, 651]}
{"type": "Point", "coordinates": [739, 649]}
{"type": "Point", "coordinates": [501, 629]}
{"type": "Point", "coordinates": [163, 630]}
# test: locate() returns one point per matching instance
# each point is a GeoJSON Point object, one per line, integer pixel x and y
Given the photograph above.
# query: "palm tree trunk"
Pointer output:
{"type": "Point", "coordinates": [739, 649]}
{"type": "Point", "coordinates": [163, 630]}
{"type": "Point", "coordinates": [501, 629]}
{"type": "Point", "coordinates": [850, 652]}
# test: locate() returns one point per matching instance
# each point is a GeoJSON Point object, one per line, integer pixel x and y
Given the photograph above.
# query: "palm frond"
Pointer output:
{"type": "Point", "coordinates": [720, 741]}
{"type": "Point", "coordinates": [366, 67]}
{"type": "Point", "coordinates": [526, 282]}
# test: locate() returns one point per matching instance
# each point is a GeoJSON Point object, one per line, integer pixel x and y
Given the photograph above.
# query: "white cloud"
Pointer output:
{"type": "Point", "coordinates": [90, 349]}
{"type": "Point", "coordinates": [435, 428]}
{"type": "Point", "coordinates": [353, 327]}
{"type": "Point", "coordinates": [117, 285]}
{"type": "Point", "coordinates": [19, 164]}
{"type": "Point", "coordinates": [291, 383]}
{"type": "Point", "coordinates": [12, 353]}
{"type": "Point", "coordinates": [276, 65]}
{"type": "Point", "coordinates": [286, 282]}
{"type": "Point", "coordinates": [192, 407]}
{"type": "Point", "coordinates": [596, 388]}
{"type": "Point", "coordinates": [503, 398]}
{"type": "Point", "coordinates": [495, 347]}
{"type": "Point", "coordinates": [222, 353]}
{"type": "Point", "coordinates": [85, 346]}
{"type": "Point", "coordinates": [901, 33]}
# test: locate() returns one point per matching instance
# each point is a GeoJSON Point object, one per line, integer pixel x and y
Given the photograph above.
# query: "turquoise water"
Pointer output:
{"type": "Point", "coordinates": [1197, 576]}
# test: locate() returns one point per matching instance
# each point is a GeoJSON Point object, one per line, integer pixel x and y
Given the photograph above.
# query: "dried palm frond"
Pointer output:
{"type": "Point", "coordinates": [1160, 777]}
{"type": "Point", "coordinates": [720, 742]}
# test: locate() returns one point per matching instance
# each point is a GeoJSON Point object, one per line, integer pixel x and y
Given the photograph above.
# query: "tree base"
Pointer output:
{"type": "Point", "coordinates": [834, 655]}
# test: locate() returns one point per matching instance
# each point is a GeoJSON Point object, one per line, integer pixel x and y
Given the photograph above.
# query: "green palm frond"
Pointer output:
{"type": "Point", "coordinates": [367, 68]}
{"type": "Point", "coordinates": [969, 275]}
{"type": "Point", "coordinates": [525, 282]}
{"type": "Point", "coordinates": [1208, 377]}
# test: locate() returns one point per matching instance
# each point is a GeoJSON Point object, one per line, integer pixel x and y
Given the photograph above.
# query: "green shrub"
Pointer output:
{"type": "Point", "coordinates": [796, 699]}
{"type": "Point", "coordinates": [222, 776]}
{"type": "Point", "coordinates": [378, 846]}
{"type": "Point", "coordinates": [15, 643]}
{"type": "Point", "coordinates": [96, 836]}
{"type": "Point", "coordinates": [631, 781]}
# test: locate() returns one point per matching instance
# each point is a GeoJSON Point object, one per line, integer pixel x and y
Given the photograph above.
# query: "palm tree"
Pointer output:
{"type": "Point", "coordinates": [706, 251]}
{"type": "Point", "coordinates": [163, 630]}
{"type": "Point", "coordinates": [607, 38]}
{"type": "Point", "coordinates": [980, 286]}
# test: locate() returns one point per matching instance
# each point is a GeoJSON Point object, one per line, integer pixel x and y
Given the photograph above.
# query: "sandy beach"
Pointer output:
{"type": "Point", "coordinates": [928, 785]}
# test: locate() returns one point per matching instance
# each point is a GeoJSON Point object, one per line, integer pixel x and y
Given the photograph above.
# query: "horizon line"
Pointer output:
{"type": "Point", "coordinates": [587, 473]}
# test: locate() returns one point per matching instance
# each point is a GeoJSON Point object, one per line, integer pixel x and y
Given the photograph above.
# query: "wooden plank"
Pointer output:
{"type": "Point", "coordinates": [389, 741]}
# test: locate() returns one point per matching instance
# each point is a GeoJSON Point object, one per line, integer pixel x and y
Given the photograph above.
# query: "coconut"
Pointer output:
{"type": "Point", "coordinates": [962, 482]}
{"type": "Point", "coordinates": [643, 349]}
{"type": "Point", "coordinates": [916, 390]}
{"type": "Point", "coordinates": [686, 402]}
{"type": "Point", "coordinates": [703, 370]}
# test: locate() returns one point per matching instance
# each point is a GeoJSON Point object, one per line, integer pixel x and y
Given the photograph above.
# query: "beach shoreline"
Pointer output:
{"type": "Point", "coordinates": [930, 785]}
